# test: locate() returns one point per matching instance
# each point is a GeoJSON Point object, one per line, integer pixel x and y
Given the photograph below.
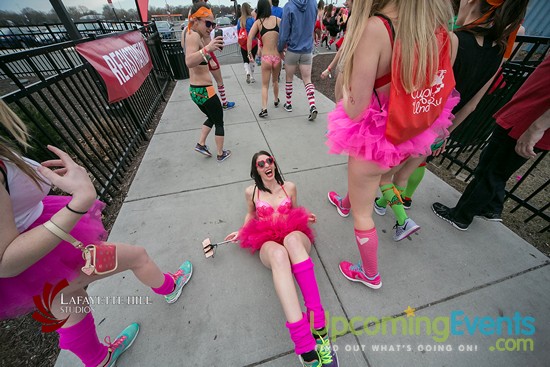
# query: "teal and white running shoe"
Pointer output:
{"type": "Point", "coordinates": [181, 277]}
{"type": "Point", "coordinates": [122, 343]}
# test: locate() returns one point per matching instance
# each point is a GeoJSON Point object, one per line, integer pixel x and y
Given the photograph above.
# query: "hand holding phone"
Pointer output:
{"type": "Point", "coordinates": [219, 33]}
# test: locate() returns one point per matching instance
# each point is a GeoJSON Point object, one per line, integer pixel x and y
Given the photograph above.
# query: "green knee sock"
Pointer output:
{"type": "Point", "coordinates": [414, 180]}
{"type": "Point", "coordinates": [393, 197]}
{"type": "Point", "coordinates": [382, 200]}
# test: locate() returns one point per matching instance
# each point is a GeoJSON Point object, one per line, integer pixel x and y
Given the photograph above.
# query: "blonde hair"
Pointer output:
{"type": "Point", "coordinates": [17, 128]}
{"type": "Point", "coordinates": [415, 37]}
{"type": "Point", "coordinates": [246, 11]}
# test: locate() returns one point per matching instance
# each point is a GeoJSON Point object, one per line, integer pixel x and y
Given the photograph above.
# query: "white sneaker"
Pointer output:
{"type": "Point", "coordinates": [380, 210]}
{"type": "Point", "coordinates": [408, 228]}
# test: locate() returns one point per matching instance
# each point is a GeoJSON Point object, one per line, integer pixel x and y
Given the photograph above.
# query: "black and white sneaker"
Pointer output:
{"type": "Point", "coordinates": [444, 212]}
{"type": "Point", "coordinates": [312, 113]}
{"type": "Point", "coordinates": [491, 217]}
{"type": "Point", "coordinates": [225, 154]}
{"type": "Point", "coordinates": [276, 103]}
{"type": "Point", "coordinates": [263, 113]}
{"type": "Point", "coordinates": [287, 107]}
{"type": "Point", "coordinates": [203, 149]}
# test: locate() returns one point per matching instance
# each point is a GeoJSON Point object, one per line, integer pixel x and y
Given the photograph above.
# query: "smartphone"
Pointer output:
{"type": "Point", "coordinates": [218, 33]}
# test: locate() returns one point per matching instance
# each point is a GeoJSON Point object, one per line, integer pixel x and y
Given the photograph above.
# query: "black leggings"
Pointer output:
{"type": "Point", "coordinates": [244, 54]}
{"type": "Point", "coordinates": [209, 103]}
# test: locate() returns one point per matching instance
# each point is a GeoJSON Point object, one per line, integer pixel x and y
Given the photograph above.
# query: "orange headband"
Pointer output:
{"type": "Point", "coordinates": [202, 12]}
{"type": "Point", "coordinates": [494, 5]}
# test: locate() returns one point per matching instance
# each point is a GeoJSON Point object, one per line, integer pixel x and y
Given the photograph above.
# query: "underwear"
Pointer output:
{"type": "Point", "coordinates": [272, 59]}
{"type": "Point", "coordinates": [201, 94]}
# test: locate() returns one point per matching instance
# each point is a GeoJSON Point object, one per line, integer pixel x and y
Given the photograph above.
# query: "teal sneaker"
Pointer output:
{"type": "Point", "coordinates": [326, 351]}
{"type": "Point", "coordinates": [122, 343]}
{"type": "Point", "coordinates": [314, 363]}
{"type": "Point", "coordinates": [181, 277]}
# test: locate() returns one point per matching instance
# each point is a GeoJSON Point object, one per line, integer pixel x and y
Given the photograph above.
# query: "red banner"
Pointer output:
{"type": "Point", "coordinates": [142, 7]}
{"type": "Point", "coordinates": [122, 61]}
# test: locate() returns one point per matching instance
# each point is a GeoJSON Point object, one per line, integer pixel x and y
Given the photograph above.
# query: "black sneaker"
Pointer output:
{"type": "Point", "coordinates": [203, 149]}
{"type": "Point", "coordinates": [312, 113]}
{"type": "Point", "coordinates": [263, 113]}
{"type": "Point", "coordinates": [492, 217]}
{"type": "Point", "coordinates": [226, 154]}
{"type": "Point", "coordinates": [276, 103]}
{"type": "Point", "coordinates": [407, 203]}
{"type": "Point", "coordinates": [444, 212]}
{"type": "Point", "coordinates": [287, 107]}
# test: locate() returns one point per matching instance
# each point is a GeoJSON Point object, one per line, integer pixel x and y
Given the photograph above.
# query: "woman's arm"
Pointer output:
{"type": "Point", "coordinates": [251, 35]}
{"type": "Point", "coordinates": [19, 251]}
{"type": "Point", "coordinates": [194, 55]}
{"type": "Point", "coordinates": [365, 66]}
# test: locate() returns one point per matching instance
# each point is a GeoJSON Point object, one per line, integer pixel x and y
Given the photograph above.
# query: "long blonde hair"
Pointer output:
{"type": "Point", "coordinates": [17, 128]}
{"type": "Point", "coordinates": [415, 35]}
{"type": "Point", "coordinates": [246, 11]}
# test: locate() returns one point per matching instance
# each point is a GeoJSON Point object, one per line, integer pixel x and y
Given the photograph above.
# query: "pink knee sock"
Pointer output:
{"type": "Point", "coordinates": [345, 202]}
{"type": "Point", "coordinates": [305, 277]}
{"type": "Point", "coordinates": [367, 242]}
{"type": "Point", "coordinates": [167, 287]}
{"type": "Point", "coordinates": [300, 334]}
{"type": "Point", "coordinates": [81, 339]}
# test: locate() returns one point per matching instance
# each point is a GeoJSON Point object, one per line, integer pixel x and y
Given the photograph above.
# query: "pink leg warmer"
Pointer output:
{"type": "Point", "coordinates": [305, 277]}
{"type": "Point", "coordinates": [82, 340]}
{"type": "Point", "coordinates": [367, 242]}
{"type": "Point", "coordinates": [167, 287]}
{"type": "Point", "coordinates": [300, 334]}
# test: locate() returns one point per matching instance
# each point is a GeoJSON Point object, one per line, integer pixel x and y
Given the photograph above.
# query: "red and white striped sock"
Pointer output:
{"type": "Point", "coordinates": [288, 88]}
{"type": "Point", "coordinates": [221, 90]}
{"type": "Point", "coordinates": [310, 92]}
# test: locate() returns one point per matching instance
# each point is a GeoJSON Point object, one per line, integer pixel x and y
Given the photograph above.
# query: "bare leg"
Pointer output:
{"type": "Point", "coordinates": [217, 74]}
{"type": "Point", "coordinates": [363, 181]}
{"type": "Point", "coordinates": [289, 71]}
{"type": "Point", "coordinates": [276, 258]}
{"type": "Point", "coordinates": [402, 175]}
{"type": "Point", "coordinates": [305, 71]}
{"type": "Point", "coordinates": [205, 130]}
{"type": "Point", "coordinates": [219, 143]}
{"type": "Point", "coordinates": [298, 246]}
{"type": "Point", "coordinates": [266, 74]}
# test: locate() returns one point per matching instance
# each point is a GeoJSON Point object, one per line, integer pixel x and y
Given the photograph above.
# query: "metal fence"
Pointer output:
{"type": "Point", "coordinates": [64, 102]}
{"type": "Point", "coordinates": [468, 140]}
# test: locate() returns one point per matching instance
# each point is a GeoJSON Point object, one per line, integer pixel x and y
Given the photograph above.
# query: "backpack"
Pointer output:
{"type": "Point", "coordinates": [410, 114]}
{"type": "Point", "coordinates": [242, 37]}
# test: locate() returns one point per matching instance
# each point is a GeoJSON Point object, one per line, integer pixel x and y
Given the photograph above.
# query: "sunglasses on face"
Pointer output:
{"type": "Point", "coordinates": [209, 24]}
{"type": "Point", "coordinates": [263, 163]}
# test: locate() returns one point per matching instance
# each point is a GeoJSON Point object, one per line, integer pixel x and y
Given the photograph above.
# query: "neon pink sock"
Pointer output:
{"type": "Point", "coordinates": [345, 202]}
{"type": "Point", "coordinates": [167, 287]}
{"type": "Point", "coordinates": [305, 277]}
{"type": "Point", "coordinates": [300, 334]}
{"type": "Point", "coordinates": [82, 340]}
{"type": "Point", "coordinates": [367, 242]}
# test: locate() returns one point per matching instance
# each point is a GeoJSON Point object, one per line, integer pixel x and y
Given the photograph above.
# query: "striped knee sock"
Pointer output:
{"type": "Point", "coordinates": [288, 88]}
{"type": "Point", "coordinates": [221, 90]}
{"type": "Point", "coordinates": [310, 92]}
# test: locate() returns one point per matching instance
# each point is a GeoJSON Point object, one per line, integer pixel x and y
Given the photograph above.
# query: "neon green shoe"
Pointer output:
{"type": "Point", "coordinates": [123, 341]}
{"type": "Point", "coordinates": [181, 277]}
{"type": "Point", "coordinates": [326, 351]}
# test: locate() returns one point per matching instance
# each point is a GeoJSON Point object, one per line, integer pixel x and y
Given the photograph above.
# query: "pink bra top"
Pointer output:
{"type": "Point", "coordinates": [264, 209]}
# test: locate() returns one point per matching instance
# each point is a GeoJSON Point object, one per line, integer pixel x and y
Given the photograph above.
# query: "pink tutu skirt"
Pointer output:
{"type": "Point", "coordinates": [365, 138]}
{"type": "Point", "coordinates": [63, 262]}
{"type": "Point", "coordinates": [258, 231]}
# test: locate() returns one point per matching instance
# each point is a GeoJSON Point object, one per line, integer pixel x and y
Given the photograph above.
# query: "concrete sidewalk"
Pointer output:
{"type": "Point", "coordinates": [229, 314]}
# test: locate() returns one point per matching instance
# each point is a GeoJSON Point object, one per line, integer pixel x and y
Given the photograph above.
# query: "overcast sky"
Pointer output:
{"type": "Point", "coordinates": [44, 5]}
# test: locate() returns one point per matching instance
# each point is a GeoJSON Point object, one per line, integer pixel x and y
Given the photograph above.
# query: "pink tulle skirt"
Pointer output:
{"type": "Point", "coordinates": [258, 231]}
{"type": "Point", "coordinates": [63, 262]}
{"type": "Point", "coordinates": [365, 138]}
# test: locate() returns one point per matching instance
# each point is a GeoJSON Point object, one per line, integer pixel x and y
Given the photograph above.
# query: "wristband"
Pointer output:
{"type": "Point", "coordinates": [75, 211]}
